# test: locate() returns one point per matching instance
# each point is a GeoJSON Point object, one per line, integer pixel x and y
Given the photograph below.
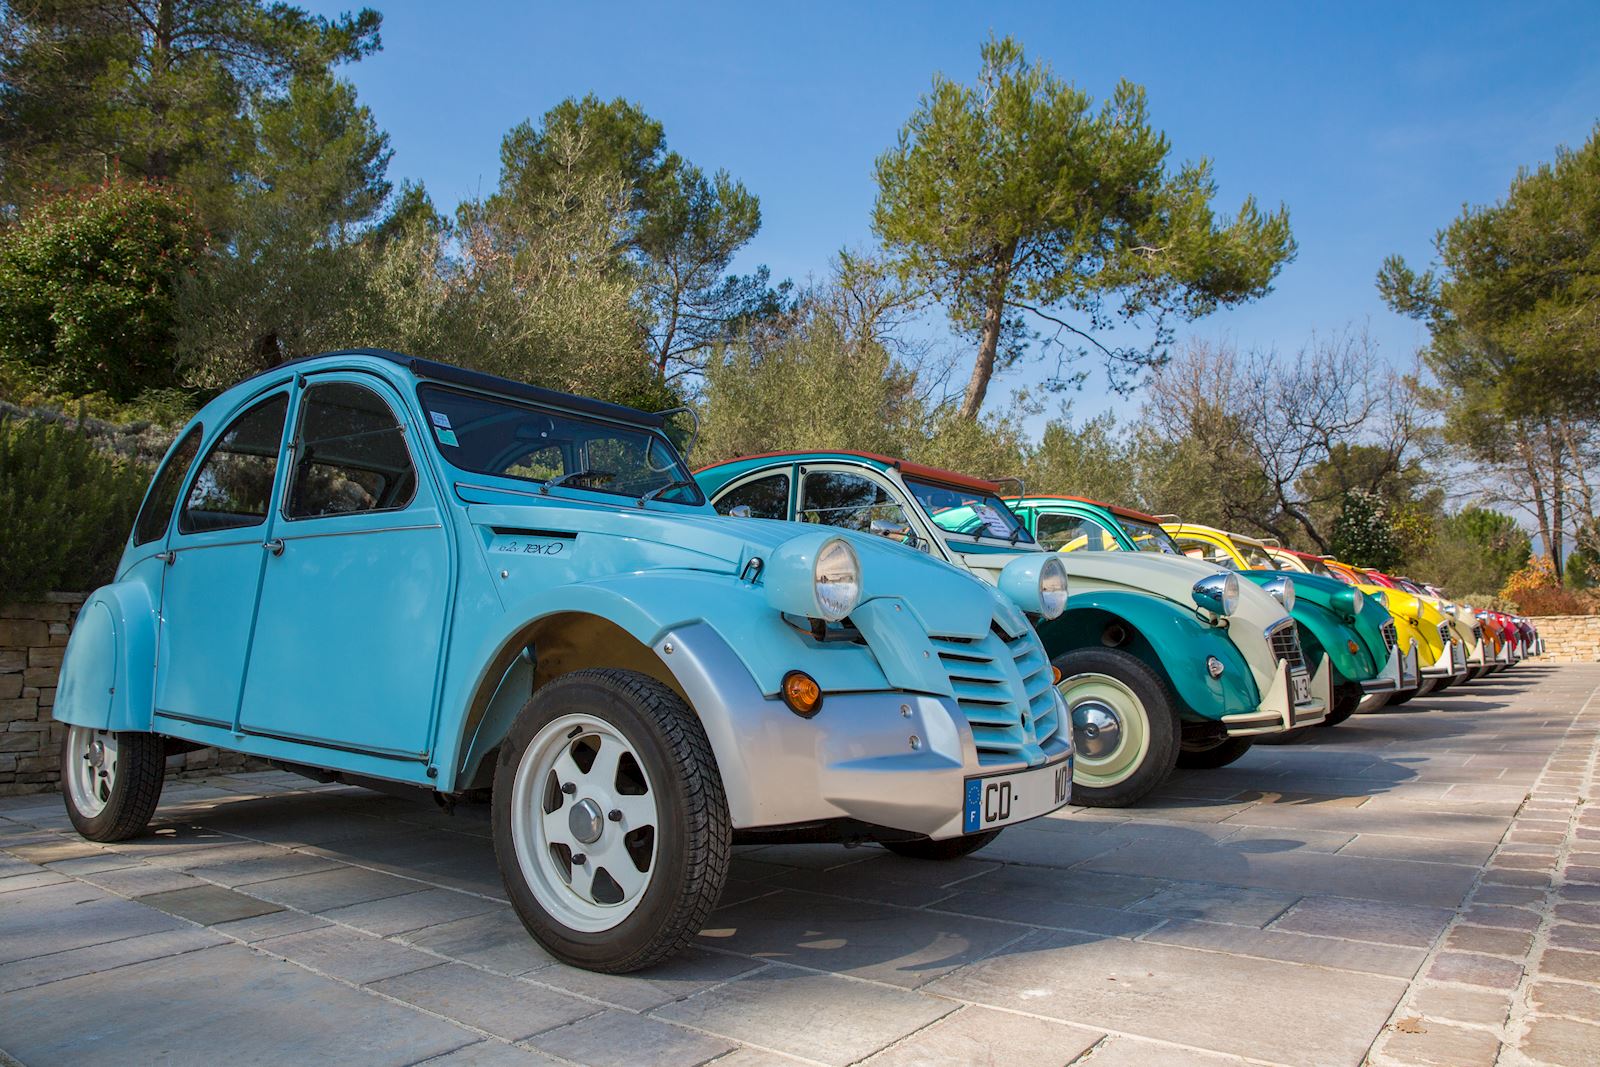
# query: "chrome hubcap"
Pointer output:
{"type": "Point", "coordinates": [586, 822]}
{"type": "Point", "coordinates": [91, 773]}
{"type": "Point", "coordinates": [1096, 729]}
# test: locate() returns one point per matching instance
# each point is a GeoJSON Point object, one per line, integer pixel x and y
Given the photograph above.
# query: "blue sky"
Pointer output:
{"type": "Point", "coordinates": [1373, 122]}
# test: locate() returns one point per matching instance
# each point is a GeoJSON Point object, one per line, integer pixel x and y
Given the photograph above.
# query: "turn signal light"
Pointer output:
{"type": "Point", "coordinates": [802, 693]}
{"type": "Point", "coordinates": [1055, 675]}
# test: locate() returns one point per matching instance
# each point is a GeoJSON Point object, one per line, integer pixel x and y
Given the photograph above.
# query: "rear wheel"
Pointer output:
{"type": "Point", "coordinates": [1211, 755]}
{"type": "Point", "coordinates": [111, 781]}
{"type": "Point", "coordinates": [949, 849]}
{"type": "Point", "coordinates": [1124, 726]}
{"type": "Point", "coordinates": [611, 827]}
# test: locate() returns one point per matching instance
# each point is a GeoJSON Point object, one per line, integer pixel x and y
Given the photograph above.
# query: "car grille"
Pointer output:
{"type": "Point", "coordinates": [1477, 632]}
{"type": "Point", "coordinates": [1444, 633]}
{"type": "Point", "coordinates": [1285, 642]}
{"type": "Point", "coordinates": [1009, 713]}
{"type": "Point", "coordinates": [1389, 637]}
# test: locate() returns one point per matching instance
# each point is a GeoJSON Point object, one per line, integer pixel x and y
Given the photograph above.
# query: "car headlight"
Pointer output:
{"type": "Point", "coordinates": [1037, 583]}
{"type": "Point", "coordinates": [1282, 590]}
{"type": "Point", "coordinates": [813, 575]}
{"type": "Point", "coordinates": [836, 577]}
{"type": "Point", "coordinates": [1217, 593]}
{"type": "Point", "coordinates": [1380, 596]}
{"type": "Point", "coordinates": [1350, 601]}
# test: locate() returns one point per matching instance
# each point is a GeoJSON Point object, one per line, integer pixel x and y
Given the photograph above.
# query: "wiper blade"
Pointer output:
{"type": "Point", "coordinates": [681, 483]}
{"type": "Point", "coordinates": [571, 476]}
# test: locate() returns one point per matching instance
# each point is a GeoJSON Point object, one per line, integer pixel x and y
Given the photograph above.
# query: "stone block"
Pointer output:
{"type": "Point", "coordinates": [23, 633]}
{"type": "Point", "coordinates": [10, 686]}
{"type": "Point", "coordinates": [1427, 1043]}
{"type": "Point", "coordinates": [505, 1007]}
{"type": "Point", "coordinates": [1473, 969]}
{"type": "Point", "coordinates": [40, 677]}
{"type": "Point", "coordinates": [1561, 1041]}
{"type": "Point", "coordinates": [46, 657]}
{"type": "Point", "coordinates": [622, 1039]}
{"type": "Point", "coordinates": [13, 659]}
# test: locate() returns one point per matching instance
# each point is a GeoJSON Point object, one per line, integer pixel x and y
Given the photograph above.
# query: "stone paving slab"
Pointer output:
{"type": "Point", "coordinates": [1417, 886]}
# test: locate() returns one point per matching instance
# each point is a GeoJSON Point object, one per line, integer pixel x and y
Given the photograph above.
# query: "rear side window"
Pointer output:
{"type": "Point", "coordinates": [351, 456]}
{"type": "Point", "coordinates": [163, 498]}
{"type": "Point", "coordinates": [233, 488]}
{"type": "Point", "coordinates": [1074, 533]}
{"type": "Point", "coordinates": [767, 498]}
{"type": "Point", "coordinates": [838, 498]}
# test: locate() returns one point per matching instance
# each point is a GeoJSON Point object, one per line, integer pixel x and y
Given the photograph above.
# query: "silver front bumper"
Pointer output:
{"type": "Point", "coordinates": [892, 759]}
{"type": "Point", "coordinates": [1452, 661]}
{"type": "Point", "coordinates": [1278, 712]}
{"type": "Point", "coordinates": [1391, 678]}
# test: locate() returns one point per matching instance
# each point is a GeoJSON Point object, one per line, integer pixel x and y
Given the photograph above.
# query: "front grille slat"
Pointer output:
{"type": "Point", "coordinates": [1390, 638]}
{"type": "Point", "coordinates": [1285, 641]}
{"type": "Point", "coordinates": [1006, 720]}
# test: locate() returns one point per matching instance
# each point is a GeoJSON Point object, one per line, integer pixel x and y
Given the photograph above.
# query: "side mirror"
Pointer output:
{"type": "Point", "coordinates": [741, 512]}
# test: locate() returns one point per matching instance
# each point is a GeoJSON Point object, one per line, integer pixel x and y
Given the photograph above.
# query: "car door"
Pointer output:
{"type": "Point", "coordinates": [214, 556]}
{"type": "Point", "coordinates": [357, 582]}
{"type": "Point", "coordinates": [856, 500]}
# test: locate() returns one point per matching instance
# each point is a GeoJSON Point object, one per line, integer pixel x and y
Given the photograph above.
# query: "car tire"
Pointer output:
{"type": "Point", "coordinates": [952, 848]}
{"type": "Point", "coordinates": [1442, 684]}
{"type": "Point", "coordinates": [1346, 699]}
{"type": "Point", "coordinates": [111, 781]}
{"type": "Point", "coordinates": [1374, 702]}
{"type": "Point", "coordinates": [1119, 689]}
{"type": "Point", "coordinates": [1193, 757]}
{"type": "Point", "coordinates": [620, 756]}
{"type": "Point", "coordinates": [1403, 696]}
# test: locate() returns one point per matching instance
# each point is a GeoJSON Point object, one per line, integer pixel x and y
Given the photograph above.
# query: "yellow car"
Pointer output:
{"type": "Point", "coordinates": [1443, 655]}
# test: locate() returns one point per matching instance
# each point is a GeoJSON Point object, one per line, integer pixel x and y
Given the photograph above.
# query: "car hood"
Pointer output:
{"type": "Point", "coordinates": [946, 599]}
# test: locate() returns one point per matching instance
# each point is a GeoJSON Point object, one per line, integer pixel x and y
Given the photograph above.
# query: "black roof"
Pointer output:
{"type": "Point", "coordinates": [448, 373]}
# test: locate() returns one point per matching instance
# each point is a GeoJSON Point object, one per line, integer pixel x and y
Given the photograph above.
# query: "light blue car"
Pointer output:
{"type": "Point", "coordinates": [376, 569]}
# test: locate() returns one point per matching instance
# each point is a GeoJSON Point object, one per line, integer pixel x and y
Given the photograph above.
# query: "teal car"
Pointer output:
{"type": "Point", "coordinates": [391, 572]}
{"type": "Point", "coordinates": [1337, 624]}
{"type": "Point", "coordinates": [1164, 661]}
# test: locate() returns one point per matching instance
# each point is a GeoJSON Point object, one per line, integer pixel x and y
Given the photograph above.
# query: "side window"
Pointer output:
{"type": "Point", "coordinates": [1195, 548]}
{"type": "Point", "coordinates": [767, 498]}
{"type": "Point", "coordinates": [837, 498]}
{"type": "Point", "coordinates": [234, 486]}
{"type": "Point", "coordinates": [163, 498]}
{"type": "Point", "coordinates": [1074, 533]}
{"type": "Point", "coordinates": [350, 456]}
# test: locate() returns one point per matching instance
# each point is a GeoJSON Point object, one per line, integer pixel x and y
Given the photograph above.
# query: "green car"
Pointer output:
{"type": "Point", "coordinates": [1338, 625]}
{"type": "Point", "coordinates": [1164, 661]}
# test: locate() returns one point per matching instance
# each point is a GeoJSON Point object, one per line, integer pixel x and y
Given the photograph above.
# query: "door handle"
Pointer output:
{"type": "Point", "coordinates": [169, 558]}
{"type": "Point", "coordinates": [275, 546]}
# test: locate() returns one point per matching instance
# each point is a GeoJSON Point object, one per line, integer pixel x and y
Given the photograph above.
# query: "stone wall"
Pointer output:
{"type": "Point", "coordinates": [32, 640]}
{"type": "Point", "coordinates": [1569, 638]}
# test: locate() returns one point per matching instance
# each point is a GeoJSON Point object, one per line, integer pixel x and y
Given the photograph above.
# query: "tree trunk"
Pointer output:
{"type": "Point", "coordinates": [994, 311]}
{"type": "Point", "coordinates": [161, 61]}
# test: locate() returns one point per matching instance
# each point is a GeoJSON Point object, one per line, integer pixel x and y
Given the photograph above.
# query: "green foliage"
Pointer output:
{"type": "Point", "coordinates": [87, 289]}
{"type": "Point", "coordinates": [1364, 533]}
{"type": "Point", "coordinates": [681, 228]}
{"type": "Point", "coordinates": [1582, 570]}
{"type": "Point", "coordinates": [1485, 601]}
{"type": "Point", "coordinates": [1085, 459]}
{"type": "Point", "coordinates": [1015, 195]}
{"type": "Point", "coordinates": [176, 90]}
{"type": "Point", "coordinates": [66, 507]}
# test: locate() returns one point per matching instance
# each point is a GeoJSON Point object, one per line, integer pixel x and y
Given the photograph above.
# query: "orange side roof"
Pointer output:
{"type": "Point", "coordinates": [904, 466]}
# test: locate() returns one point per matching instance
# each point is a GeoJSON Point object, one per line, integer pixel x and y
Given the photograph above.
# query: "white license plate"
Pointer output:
{"type": "Point", "coordinates": [1302, 688]}
{"type": "Point", "coordinates": [997, 799]}
{"type": "Point", "coordinates": [1458, 655]}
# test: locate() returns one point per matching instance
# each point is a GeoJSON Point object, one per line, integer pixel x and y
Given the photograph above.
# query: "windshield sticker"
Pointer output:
{"type": "Point", "coordinates": [440, 419]}
{"type": "Point", "coordinates": [447, 437]}
{"type": "Point", "coordinates": [992, 522]}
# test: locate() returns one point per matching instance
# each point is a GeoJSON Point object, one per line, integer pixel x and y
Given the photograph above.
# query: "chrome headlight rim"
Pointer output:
{"type": "Point", "coordinates": [836, 579]}
{"type": "Point", "coordinates": [1052, 588]}
{"type": "Point", "coordinates": [1217, 593]}
{"type": "Point", "coordinates": [1282, 590]}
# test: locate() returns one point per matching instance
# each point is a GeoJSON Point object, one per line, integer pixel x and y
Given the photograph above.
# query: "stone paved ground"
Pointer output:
{"type": "Point", "coordinates": [1420, 886]}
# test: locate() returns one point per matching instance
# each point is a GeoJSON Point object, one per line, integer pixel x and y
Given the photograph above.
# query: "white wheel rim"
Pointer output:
{"type": "Point", "coordinates": [91, 770]}
{"type": "Point", "coordinates": [1113, 698]}
{"type": "Point", "coordinates": [550, 826]}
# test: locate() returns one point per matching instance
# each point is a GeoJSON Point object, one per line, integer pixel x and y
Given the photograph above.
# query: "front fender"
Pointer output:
{"type": "Point", "coordinates": [106, 675]}
{"type": "Point", "coordinates": [1333, 635]}
{"type": "Point", "coordinates": [1177, 641]}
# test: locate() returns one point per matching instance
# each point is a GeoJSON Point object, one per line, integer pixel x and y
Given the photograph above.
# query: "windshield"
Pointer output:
{"type": "Point", "coordinates": [509, 439]}
{"type": "Point", "coordinates": [1148, 537]}
{"type": "Point", "coordinates": [968, 511]}
{"type": "Point", "coordinates": [1255, 557]}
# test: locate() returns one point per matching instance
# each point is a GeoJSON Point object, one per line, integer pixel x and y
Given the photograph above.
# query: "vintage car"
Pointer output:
{"type": "Point", "coordinates": [1407, 639]}
{"type": "Point", "coordinates": [383, 570]}
{"type": "Point", "coordinates": [1163, 665]}
{"type": "Point", "coordinates": [1443, 659]}
{"type": "Point", "coordinates": [1461, 629]}
{"type": "Point", "coordinates": [1358, 638]}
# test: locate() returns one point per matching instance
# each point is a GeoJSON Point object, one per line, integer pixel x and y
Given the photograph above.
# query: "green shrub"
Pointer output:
{"type": "Point", "coordinates": [66, 507]}
{"type": "Point", "coordinates": [1489, 602]}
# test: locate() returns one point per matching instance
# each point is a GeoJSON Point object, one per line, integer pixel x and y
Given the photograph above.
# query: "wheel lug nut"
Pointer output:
{"type": "Point", "coordinates": [568, 788]}
{"type": "Point", "coordinates": [579, 859]}
{"type": "Point", "coordinates": [615, 814]}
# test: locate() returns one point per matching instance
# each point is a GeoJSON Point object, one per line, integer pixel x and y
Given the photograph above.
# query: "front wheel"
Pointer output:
{"type": "Point", "coordinates": [1124, 726]}
{"type": "Point", "coordinates": [1208, 757]}
{"type": "Point", "coordinates": [111, 781]}
{"type": "Point", "coordinates": [611, 826]}
{"type": "Point", "coordinates": [952, 848]}
{"type": "Point", "coordinates": [1346, 699]}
